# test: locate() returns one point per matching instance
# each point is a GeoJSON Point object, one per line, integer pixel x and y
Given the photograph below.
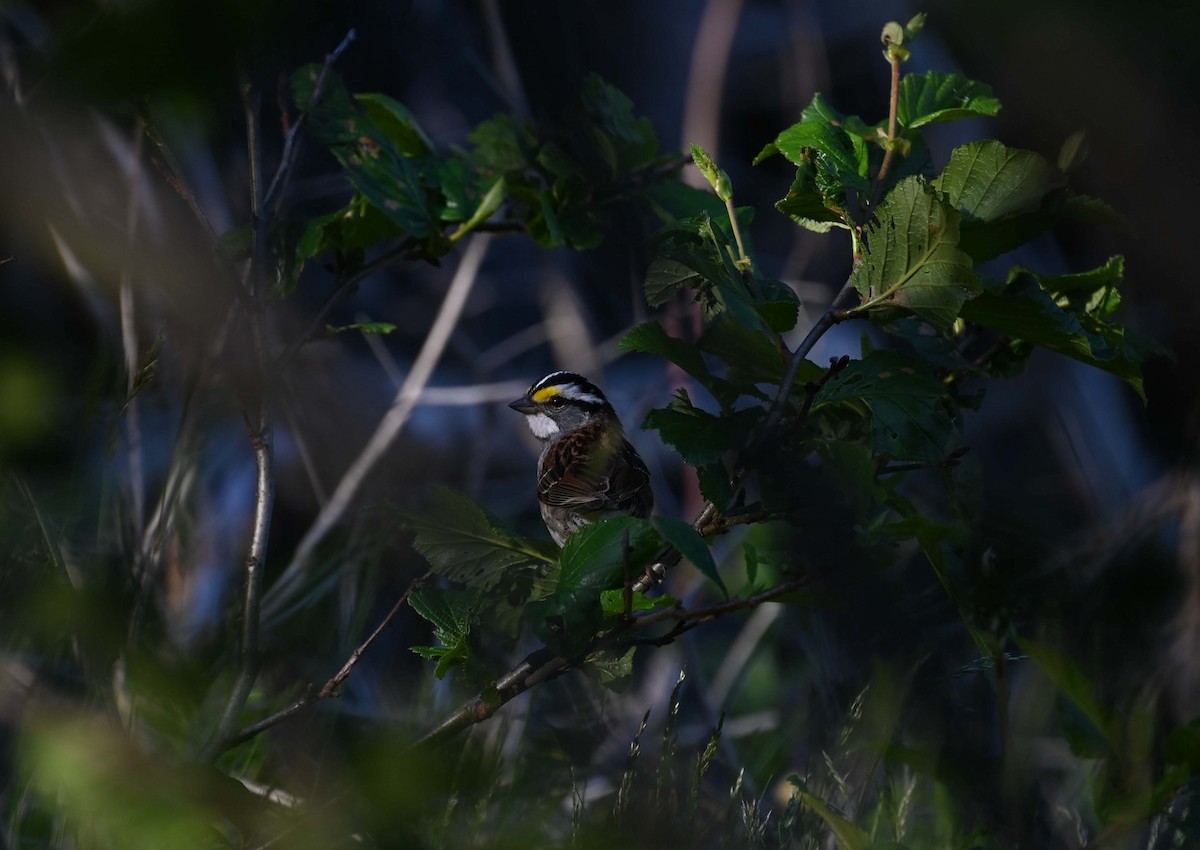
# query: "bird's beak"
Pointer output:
{"type": "Point", "coordinates": [523, 405]}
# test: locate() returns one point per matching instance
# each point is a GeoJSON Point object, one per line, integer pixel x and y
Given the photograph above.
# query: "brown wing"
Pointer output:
{"type": "Point", "coordinates": [583, 473]}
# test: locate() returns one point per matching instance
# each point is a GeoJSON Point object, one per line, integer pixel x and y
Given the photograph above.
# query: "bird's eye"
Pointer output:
{"type": "Point", "coordinates": [557, 402]}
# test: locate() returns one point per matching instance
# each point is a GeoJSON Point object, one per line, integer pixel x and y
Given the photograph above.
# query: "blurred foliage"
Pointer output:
{"type": "Point", "coordinates": [982, 719]}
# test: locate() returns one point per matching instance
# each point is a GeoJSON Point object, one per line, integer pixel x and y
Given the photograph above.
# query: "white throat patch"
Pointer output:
{"type": "Point", "coordinates": [542, 426]}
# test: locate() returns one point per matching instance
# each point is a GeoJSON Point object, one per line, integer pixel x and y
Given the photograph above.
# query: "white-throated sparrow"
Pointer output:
{"type": "Point", "coordinates": [587, 469]}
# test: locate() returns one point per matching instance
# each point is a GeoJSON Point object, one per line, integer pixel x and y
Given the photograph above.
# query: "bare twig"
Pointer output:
{"type": "Point", "coordinates": [274, 196]}
{"type": "Point", "coordinates": [261, 440]}
{"type": "Point", "coordinates": [390, 426]}
{"type": "Point", "coordinates": [248, 663]}
{"type": "Point", "coordinates": [329, 689]}
{"type": "Point", "coordinates": [344, 285]}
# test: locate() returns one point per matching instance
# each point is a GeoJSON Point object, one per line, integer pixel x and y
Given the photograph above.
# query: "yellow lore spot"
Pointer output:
{"type": "Point", "coordinates": [545, 394]}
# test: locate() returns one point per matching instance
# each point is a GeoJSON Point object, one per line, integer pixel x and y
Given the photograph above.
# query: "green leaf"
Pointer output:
{"type": "Point", "coordinates": [595, 557]}
{"type": "Point", "coordinates": [502, 145]}
{"type": "Point", "coordinates": [849, 836]}
{"type": "Point", "coordinates": [666, 276]}
{"type": "Point", "coordinates": [911, 258]}
{"type": "Point", "coordinates": [1025, 310]}
{"type": "Point", "coordinates": [1093, 292]}
{"type": "Point", "coordinates": [777, 304]}
{"type": "Point", "coordinates": [488, 204]}
{"type": "Point", "coordinates": [692, 546]}
{"type": "Point", "coordinates": [805, 204]}
{"type": "Point", "coordinates": [698, 436]}
{"type": "Point", "coordinates": [750, 556]}
{"type": "Point", "coordinates": [451, 612]}
{"type": "Point", "coordinates": [357, 226]}
{"type": "Point", "coordinates": [1007, 196]}
{"type": "Point", "coordinates": [465, 544]}
{"type": "Point", "coordinates": [911, 413]}
{"type": "Point", "coordinates": [650, 338]}
{"type": "Point", "coordinates": [369, 157]}
{"type": "Point", "coordinates": [935, 97]}
{"type": "Point", "coordinates": [397, 123]}
{"type": "Point", "coordinates": [365, 327]}
{"type": "Point", "coordinates": [613, 602]}
{"type": "Point", "coordinates": [751, 356]}
{"type": "Point", "coordinates": [838, 153]}
{"type": "Point", "coordinates": [612, 669]}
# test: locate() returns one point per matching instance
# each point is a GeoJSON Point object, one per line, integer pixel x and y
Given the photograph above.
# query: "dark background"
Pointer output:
{"type": "Point", "coordinates": [1066, 452]}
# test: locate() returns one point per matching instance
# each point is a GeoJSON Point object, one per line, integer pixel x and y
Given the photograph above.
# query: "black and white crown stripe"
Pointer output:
{"type": "Point", "coordinates": [572, 386]}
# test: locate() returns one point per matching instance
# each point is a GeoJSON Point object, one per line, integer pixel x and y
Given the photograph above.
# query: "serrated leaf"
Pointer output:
{"type": "Point", "coordinates": [595, 557]}
{"type": "Point", "coordinates": [751, 356]}
{"type": "Point", "coordinates": [777, 304]}
{"type": "Point", "coordinates": [1024, 310]}
{"type": "Point", "coordinates": [613, 669]}
{"type": "Point", "coordinates": [463, 543]}
{"type": "Point", "coordinates": [650, 338]}
{"type": "Point", "coordinates": [838, 153]}
{"type": "Point", "coordinates": [714, 483]}
{"type": "Point", "coordinates": [692, 546]}
{"type": "Point", "coordinates": [935, 97]}
{"type": "Point", "coordinates": [501, 145]}
{"type": "Point", "coordinates": [369, 158]}
{"type": "Point", "coordinates": [1006, 195]}
{"type": "Point", "coordinates": [698, 436]}
{"type": "Point", "coordinates": [911, 412]}
{"type": "Point", "coordinates": [665, 277]}
{"type": "Point", "coordinates": [451, 612]}
{"type": "Point", "coordinates": [911, 258]}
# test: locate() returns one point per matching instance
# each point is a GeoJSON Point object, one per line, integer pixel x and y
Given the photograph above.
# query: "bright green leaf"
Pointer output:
{"type": "Point", "coordinates": [1006, 196]}
{"type": "Point", "coordinates": [911, 258]}
{"type": "Point", "coordinates": [935, 97]}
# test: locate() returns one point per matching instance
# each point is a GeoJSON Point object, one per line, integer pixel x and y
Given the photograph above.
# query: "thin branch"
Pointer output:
{"type": "Point", "coordinates": [890, 153]}
{"type": "Point", "coordinates": [248, 663]}
{"type": "Point", "coordinates": [343, 285]}
{"type": "Point", "coordinates": [390, 426]}
{"type": "Point", "coordinates": [287, 160]}
{"type": "Point", "coordinates": [260, 438]}
{"type": "Point", "coordinates": [329, 689]}
{"type": "Point", "coordinates": [543, 665]}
